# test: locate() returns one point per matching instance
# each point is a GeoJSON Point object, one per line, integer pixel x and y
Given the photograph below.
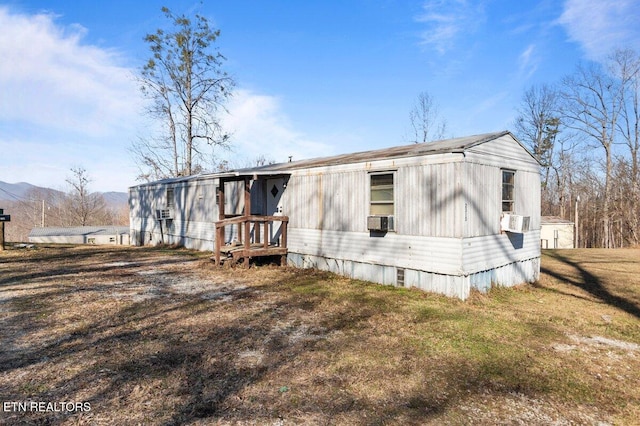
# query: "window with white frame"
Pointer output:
{"type": "Point", "coordinates": [381, 195]}
{"type": "Point", "coordinates": [508, 191]}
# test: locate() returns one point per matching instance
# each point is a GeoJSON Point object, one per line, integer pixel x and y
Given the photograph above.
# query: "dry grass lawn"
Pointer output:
{"type": "Point", "coordinates": [161, 337]}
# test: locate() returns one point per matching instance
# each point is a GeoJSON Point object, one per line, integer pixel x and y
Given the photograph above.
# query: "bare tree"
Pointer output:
{"type": "Point", "coordinates": [83, 207]}
{"type": "Point", "coordinates": [188, 88]}
{"type": "Point", "coordinates": [595, 109]}
{"type": "Point", "coordinates": [592, 105]}
{"type": "Point", "coordinates": [425, 122]}
{"type": "Point", "coordinates": [624, 65]}
{"type": "Point", "coordinates": [537, 125]}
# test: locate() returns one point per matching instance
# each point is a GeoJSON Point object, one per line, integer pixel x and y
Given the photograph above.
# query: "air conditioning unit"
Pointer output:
{"type": "Point", "coordinates": [515, 223]}
{"type": "Point", "coordinates": [164, 214]}
{"type": "Point", "coordinates": [379, 223]}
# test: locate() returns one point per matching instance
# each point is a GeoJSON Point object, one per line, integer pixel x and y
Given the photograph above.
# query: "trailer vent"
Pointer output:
{"type": "Point", "coordinates": [400, 277]}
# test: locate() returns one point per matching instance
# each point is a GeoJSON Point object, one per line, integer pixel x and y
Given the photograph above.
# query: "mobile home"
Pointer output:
{"type": "Point", "coordinates": [444, 216]}
{"type": "Point", "coordinates": [114, 235]}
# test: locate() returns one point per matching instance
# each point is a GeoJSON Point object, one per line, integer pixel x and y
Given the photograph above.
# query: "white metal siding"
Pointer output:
{"type": "Point", "coordinates": [491, 251]}
{"type": "Point", "coordinates": [482, 193]}
{"type": "Point", "coordinates": [503, 152]}
{"type": "Point", "coordinates": [451, 256]}
{"type": "Point", "coordinates": [194, 213]}
{"type": "Point", "coordinates": [528, 196]}
{"type": "Point", "coordinates": [335, 201]}
{"type": "Point", "coordinates": [442, 255]}
{"type": "Point", "coordinates": [429, 200]}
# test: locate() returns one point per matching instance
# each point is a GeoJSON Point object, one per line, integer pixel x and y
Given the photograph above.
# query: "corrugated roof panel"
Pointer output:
{"type": "Point", "coordinates": [415, 149]}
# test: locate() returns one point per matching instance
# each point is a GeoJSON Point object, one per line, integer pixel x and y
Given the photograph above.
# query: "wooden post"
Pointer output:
{"type": "Point", "coordinates": [3, 218]}
{"type": "Point", "coordinates": [266, 234]}
{"type": "Point", "coordinates": [219, 230]}
{"type": "Point", "coordinates": [283, 244]}
{"type": "Point", "coordinates": [247, 197]}
{"type": "Point", "coordinates": [247, 224]}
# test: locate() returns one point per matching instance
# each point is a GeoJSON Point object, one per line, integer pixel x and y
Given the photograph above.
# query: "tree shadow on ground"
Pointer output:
{"type": "Point", "coordinates": [584, 279]}
{"type": "Point", "coordinates": [167, 360]}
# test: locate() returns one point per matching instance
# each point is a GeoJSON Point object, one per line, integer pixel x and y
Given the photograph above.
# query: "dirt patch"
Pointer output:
{"type": "Point", "coordinates": [151, 336]}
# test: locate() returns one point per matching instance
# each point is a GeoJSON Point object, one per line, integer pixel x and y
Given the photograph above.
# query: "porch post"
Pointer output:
{"type": "Point", "coordinates": [247, 224]}
{"type": "Point", "coordinates": [285, 223]}
{"type": "Point", "coordinates": [220, 230]}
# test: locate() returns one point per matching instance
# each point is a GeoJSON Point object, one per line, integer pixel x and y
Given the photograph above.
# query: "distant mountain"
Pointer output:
{"type": "Point", "coordinates": [21, 191]}
{"type": "Point", "coordinates": [112, 198]}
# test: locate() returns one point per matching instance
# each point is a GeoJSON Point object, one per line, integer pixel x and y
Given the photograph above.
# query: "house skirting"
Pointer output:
{"type": "Point", "coordinates": [518, 272]}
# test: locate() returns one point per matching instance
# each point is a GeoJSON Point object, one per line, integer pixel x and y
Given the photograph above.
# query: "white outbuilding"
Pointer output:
{"type": "Point", "coordinates": [556, 233]}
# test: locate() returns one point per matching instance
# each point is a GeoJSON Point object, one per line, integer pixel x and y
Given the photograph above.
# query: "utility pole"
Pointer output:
{"type": "Point", "coordinates": [576, 220]}
{"type": "Point", "coordinates": [42, 214]}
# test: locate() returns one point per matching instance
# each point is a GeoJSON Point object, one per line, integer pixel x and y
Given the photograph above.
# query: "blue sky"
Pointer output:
{"type": "Point", "coordinates": [314, 78]}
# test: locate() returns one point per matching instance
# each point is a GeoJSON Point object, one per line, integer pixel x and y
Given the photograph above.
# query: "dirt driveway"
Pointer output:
{"type": "Point", "coordinates": [120, 328]}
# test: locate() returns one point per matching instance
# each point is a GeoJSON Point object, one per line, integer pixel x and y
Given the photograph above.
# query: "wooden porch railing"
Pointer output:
{"type": "Point", "coordinates": [251, 244]}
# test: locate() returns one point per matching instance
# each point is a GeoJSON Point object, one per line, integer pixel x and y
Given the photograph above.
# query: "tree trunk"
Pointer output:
{"type": "Point", "coordinates": [606, 211]}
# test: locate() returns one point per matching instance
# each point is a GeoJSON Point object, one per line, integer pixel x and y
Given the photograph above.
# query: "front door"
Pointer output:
{"type": "Point", "coordinates": [275, 188]}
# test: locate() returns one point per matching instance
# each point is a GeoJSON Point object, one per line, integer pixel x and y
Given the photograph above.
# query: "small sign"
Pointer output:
{"type": "Point", "coordinates": [5, 218]}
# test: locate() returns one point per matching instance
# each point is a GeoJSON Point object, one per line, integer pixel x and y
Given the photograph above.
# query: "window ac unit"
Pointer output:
{"type": "Point", "coordinates": [515, 223]}
{"type": "Point", "coordinates": [164, 214]}
{"type": "Point", "coordinates": [379, 223]}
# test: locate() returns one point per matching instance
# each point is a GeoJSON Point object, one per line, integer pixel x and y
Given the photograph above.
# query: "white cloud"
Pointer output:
{"type": "Point", "coordinates": [260, 127]}
{"type": "Point", "coordinates": [528, 62]}
{"type": "Point", "coordinates": [49, 78]}
{"type": "Point", "coordinates": [65, 103]}
{"type": "Point", "coordinates": [447, 20]}
{"type": "Point", "coordinates": [602, 26]}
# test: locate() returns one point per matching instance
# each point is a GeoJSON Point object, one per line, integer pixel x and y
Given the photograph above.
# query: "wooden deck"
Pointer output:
{"type": "Point", "coordinates": [255, 233]}
{"type": "Point", "coordinates": [238, 253]}
{"type": "Point", "coordinates": [251, 244]}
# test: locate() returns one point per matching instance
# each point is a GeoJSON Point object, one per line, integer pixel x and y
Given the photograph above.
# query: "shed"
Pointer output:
{"type": "Point", "coordinates": [556, 233]}
{"type": "Point", "coordinates": [444, 216]}
{"type": "Point", "coordinates": [114, 235]}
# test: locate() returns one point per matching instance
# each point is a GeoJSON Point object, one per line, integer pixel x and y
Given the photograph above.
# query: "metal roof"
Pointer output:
{"type": "Point", "coordinates": [412, 150]}
{"type": "Point", "coordinates": [547, 220]}
{"type": "Point", "coordinates": [73, 231]}
{"type": "Point", "coordinates": [415, 149]}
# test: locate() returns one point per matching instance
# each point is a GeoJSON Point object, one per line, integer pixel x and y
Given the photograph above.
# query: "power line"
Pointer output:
{"type": "Point", "coordinates": [17, 197]}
